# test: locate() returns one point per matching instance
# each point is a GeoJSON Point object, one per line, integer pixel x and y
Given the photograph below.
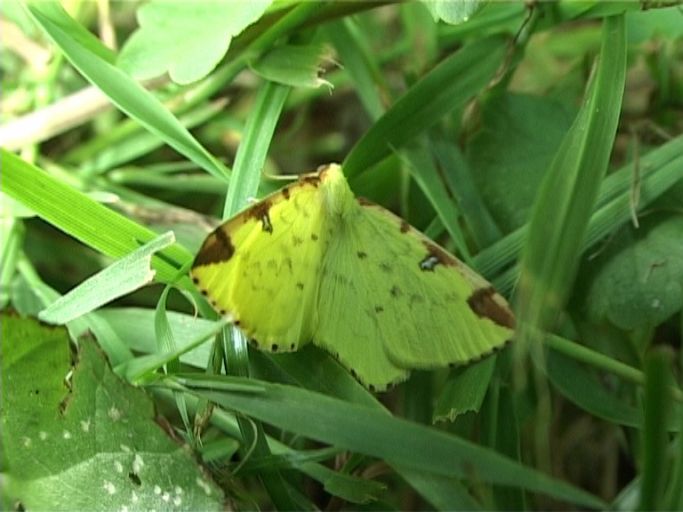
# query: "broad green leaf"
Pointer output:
{"type": "Point", "coordinates": [452, 12]}
{"type": "Point", "coordinates": [120, 278]}
{"type": "Point", "coordinates": [665, 24]}
{"type": "Point", "coordinates": [464, 390]}
{"type": "Point", "coordinates": [294, 65]}
{"type": "Point", "coordinates": [124, 92]}
{"type": "Point", "coordinates": [93, 445]}
{"type": "Point", "coordinates": [636, 280]}
{"type": "Point", "coordinates": [509, 156]}
{"type": "Point", "coordinates": [185, 39]}
{"type": "Point", "coordinates": [375, 433]}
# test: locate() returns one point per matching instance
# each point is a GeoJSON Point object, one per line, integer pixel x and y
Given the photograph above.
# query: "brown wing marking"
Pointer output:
{"type": "Point", "coordinates": [486, 302]}
{"type": "Point", "coordinates": [216, 249]}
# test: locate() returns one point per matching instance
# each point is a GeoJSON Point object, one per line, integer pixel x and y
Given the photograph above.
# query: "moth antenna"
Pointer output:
{"type": "Point", "coordinates": [294, 177]}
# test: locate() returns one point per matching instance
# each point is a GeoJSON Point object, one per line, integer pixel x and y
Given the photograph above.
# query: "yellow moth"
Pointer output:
{"type": "Point", "coordinates": [313, 263]}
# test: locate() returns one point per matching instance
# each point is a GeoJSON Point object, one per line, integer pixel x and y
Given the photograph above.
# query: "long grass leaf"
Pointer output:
{"type": "Point", "coordinates": [373, 432]}
{"type": "Point", "coordinates": [449, 85]}
{"type": "Point", "coordinates": [122, 90]}
{"type": "Point", "coordinates": [569, 190]}
{"type": "Point", "coordinates": [83, 218]}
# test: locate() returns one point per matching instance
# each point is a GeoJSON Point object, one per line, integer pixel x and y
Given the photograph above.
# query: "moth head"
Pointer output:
{"type": "Point", "coordinates": [337, 195]}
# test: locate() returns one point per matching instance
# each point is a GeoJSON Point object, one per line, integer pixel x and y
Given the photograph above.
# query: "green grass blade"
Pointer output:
{"type": "Point", "coordinates": [654, 435]}
{"type": "Point", "coordinates": [83, 218]}
{"type": "Point", "coordinates": [373, 432]}
{"type": "Point", "coordinates": [458, 176]}
{"type": "Point", "coordinates": [442, 492]}
{"type": "Point", "coordinates": [117, 152]}
{"type": "Point", "coordinates": [120, 278]}
{"type": "Point", "coordinates": [252, 151]}
{"type": "Point", "coordinates": [122, 90]}
{"type": "Point", "coordinates": [568, 193]}
{"type": "Point", "coordinates": [423, 170]}
{"type": "Point", "coordinates": [449, 85]}
{"type": "Point", "coordinates": [359, 64]}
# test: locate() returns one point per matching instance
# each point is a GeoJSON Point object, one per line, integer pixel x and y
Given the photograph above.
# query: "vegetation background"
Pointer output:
{"type": "Point", "coordinates": [541, 141]}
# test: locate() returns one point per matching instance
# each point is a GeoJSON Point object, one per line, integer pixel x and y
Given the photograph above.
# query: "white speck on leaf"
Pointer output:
{"type": "Point", "coordinates": [137, 463]}
{"type": "Point", "coordinates": [177, 489]}
{"type": "Point", "coordinates": [124, 448]}
{"type": "Point", "coordinates": [26, 441]}
{"type": "Point", "coordinates": [118, 466]}
{"type": "Point", "coordinates": [42, 435]}
{"type": "Point", "coordinates": [85, 425]}
{"type": "Point", "coordinates": [166, 496]}
{"type": "Point", "coordinates": [205, 487]}
{"type": "Point", "coordinates": [157, 489]}
{"type": "Point", "coordinates": [177, 501]}
{"type": "Point", "coordinates": [114, 413]}
{"type": "Point", "coordinates": [66, 434]}
{"type": "Point", "coordinates": [109, 487]}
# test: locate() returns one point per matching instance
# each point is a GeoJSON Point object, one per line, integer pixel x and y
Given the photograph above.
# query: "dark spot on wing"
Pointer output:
{"type": "Point", "coordinates": [296, 240]}
{"type": "Point", "coordinates": [416, 299]}
{"type": "Point", "coordinates": [236, 323]}
{"type": "Point", "coordinates": [436, 256]}
{"type": "Point", "coordinates": [353, 373]}
{"type": "Point", "coordinates": [379, 309]}
{"type": "Point", "coordinates": [274, 347]}
{"type": "Point", "coordinates": [292, 346]}
{"type": "Point", "coordinates": [371, 388]}
{"type": "Point", "coordinates": [134, 478]}
{"type": "Point", "coordinates": [314, 237]}
{"type": "Point", "coordinates": [395, 291]}
{"type": "Point", "coordinates": [483, 302]}
{"type": "Point", "coordinates": [288, 263]}
{"type": "Point", "coordinates": [362, 255]}
{"type": "Point", "coordinates": [341, 279]}
{"type": "Point", "coordinates": [222, 312]}
{"type": "Point", "coordinates": [216, 249]}
{"type": "Point", "coordinates": [260, 212]}
{"type": "Point", "coordinates": [405, 227]}
{"type": "Point", "coordinates": [300, 286]}
{"type": "Point", "coordinates": [385, 267]}
{"type": "Point", "coordinates": [204, 293]}
{"type": "Point", "coordinates": [253, 343]}
{"type": "Point", "coordinates": [285, 193]}
{"type": "Point", "coordinates": [195, 280]}
{"type": "Point", "coordinates": [311, 179]}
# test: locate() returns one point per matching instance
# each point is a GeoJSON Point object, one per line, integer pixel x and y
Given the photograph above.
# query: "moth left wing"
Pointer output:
{"type": "Point", "coordinates": [261, 267]}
